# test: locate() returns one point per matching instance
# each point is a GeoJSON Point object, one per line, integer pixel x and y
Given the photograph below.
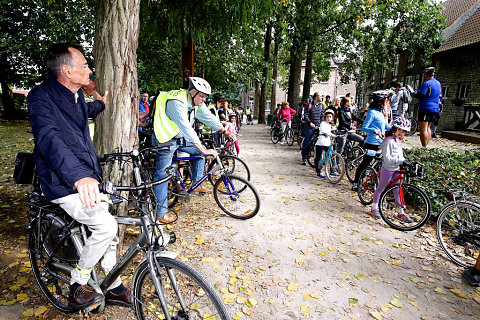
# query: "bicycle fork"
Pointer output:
{"type": "Point", "coordinates": [154, 268]}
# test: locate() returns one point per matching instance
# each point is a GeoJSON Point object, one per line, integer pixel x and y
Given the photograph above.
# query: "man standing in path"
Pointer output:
{"type": "Point", "coordinates": [313, 118]}
{"type": "Point", "coordinates": [428, 104]}
{"type": "Point", "coordinates": [68, 168]}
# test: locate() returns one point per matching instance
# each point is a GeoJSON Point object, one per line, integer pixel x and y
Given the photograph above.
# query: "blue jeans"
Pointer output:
{"type": "Point", "coordinates": [164, 159]}
{"type": "Point", "coordinates": [308, 133]}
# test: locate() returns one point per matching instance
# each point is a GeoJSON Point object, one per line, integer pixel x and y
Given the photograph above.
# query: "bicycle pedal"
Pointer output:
{"type": "Point", "coordinates": [183, 196]}
{"type": "Point", "coordinates": [91, 307]}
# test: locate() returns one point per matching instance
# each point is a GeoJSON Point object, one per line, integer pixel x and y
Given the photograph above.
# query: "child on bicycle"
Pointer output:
{"type": "Point", "coordinates": [392, 154]}
{"type": "Point", "coordinates": [231, 127]}
{"type": "Point", "coordinates": [324, 140]}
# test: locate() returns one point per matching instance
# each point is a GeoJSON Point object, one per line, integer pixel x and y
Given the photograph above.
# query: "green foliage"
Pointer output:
{"type": "Point", "coordinates": [29, 27]}
{"type": "Point", "coordinates": [14, 138]}
{"type": "Point", "coordinates": [444, 170]}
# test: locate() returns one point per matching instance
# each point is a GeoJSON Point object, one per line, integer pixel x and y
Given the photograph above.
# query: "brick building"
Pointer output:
{"type": "Point", "coordinates": [457, 62]}
{"type": "Point", "coordinates": [332, 87]}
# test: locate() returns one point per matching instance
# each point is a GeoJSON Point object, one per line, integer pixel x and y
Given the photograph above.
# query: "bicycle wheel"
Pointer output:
{"type": "Point", "coordinates": [367, 183]}
{"type": "Point", "coordinates": [458, 231]}
{"type": "Point", "coordinates": [354, 158]}
{"type": "Point", "coordinates": [289, 136]}
{"type": "Point", "coordinates": [275, 135]}
{"type": "Point", "coordinates": [311, 155]}
{"type": "Point", "coordinates": [335, 168]}
{"type": "Point", "coordinates": [415, 203]}
{"type": "Point", "coordinates": [44, 250]}
{"type": "Point", "coordinates": [234, 165]}
{"type": "Point", "coordinates": [243, 204]}
{"type": "Point", "coordinates": [414, 126]}
{"type": "Point", "coordinates": [185, 293]}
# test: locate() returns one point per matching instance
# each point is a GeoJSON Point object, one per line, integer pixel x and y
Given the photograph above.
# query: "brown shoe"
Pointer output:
{"type": "Point", "coordinates": [167, 218]}
{"type": "Point", "coordinates": [201, 190]}
{"type": "Point", "coordinates": [124, 299]}
{"type": "Point", "coordinates": [84, 297]}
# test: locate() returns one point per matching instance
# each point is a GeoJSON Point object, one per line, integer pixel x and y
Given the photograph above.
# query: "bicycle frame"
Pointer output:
{"type": "Point", "coordinates": [400, 177]}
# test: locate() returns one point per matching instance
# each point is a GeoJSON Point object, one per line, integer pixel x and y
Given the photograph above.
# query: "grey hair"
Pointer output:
{"type": "Point", "coordinates": [58, 55]}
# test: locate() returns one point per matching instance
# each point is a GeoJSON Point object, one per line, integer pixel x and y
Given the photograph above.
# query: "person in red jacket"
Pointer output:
{"type": "Point", "coordinates": [285, 115]}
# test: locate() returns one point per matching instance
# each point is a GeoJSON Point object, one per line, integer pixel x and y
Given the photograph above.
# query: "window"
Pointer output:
{"type": "Point", "coordinates": [411, 60]}
{"type": "Point", "coordinates": [382, 75]}
{"type": "Point", "coordinates": [251, 102]}
{"type": "Point", "coordinates": [395, 69]}
{"type": "Point", "coordinates": [463, 90]}
{"type": "Point", "coordinates": [444, 91]}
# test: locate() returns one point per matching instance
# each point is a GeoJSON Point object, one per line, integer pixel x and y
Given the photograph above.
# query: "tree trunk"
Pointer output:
{"type": "Point", "coordinates": [296, 53]}
{"type": "Point", "coordinates": [307, 80]}
{"type": "Point", "coordinates": [257, 100]}
{"type": "Point", "coordinates": [187, 60]}
{"type": "Point", "coordinates": [115, 53]}
{"type": "Point", "coordinates": [7, 94]}
{"type": "Point", "coordinates": [266, 60]}
{"type": "Point", "coordinates": [273, 99]}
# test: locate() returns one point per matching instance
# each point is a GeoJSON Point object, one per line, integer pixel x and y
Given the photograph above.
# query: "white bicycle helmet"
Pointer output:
{"type": "Point", "coordinates": [402, 123]}
{"type": "Point", "coordinates": [199, 84]}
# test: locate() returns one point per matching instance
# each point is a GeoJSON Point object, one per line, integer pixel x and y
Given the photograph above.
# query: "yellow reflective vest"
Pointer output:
{"type": "Point", "coordinates": [208, 130]}
{"type": "Point", "coordinates": [165, 129]}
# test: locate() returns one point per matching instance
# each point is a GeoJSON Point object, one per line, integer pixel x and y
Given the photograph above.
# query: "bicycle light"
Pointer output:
{"type": "Point", "coordinates": [166, 238]}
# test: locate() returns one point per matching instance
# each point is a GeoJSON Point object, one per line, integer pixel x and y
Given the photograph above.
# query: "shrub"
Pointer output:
{"type": "Point", "coordinates": [445, 170]}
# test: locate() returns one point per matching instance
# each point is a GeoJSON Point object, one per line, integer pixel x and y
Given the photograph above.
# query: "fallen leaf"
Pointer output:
{"type": "Point", "coordinates": [397, 303]}
{"type": "Point", "coordinates": [292, 287]}
{"type": "Point", "coordinates": [377, 315]}
{"type": "Point", "coordinates": [459, 293]}
{"type": "Point", "coordinates": [352, 302]}
{"type": "Point", "coordinates": [304, 309]}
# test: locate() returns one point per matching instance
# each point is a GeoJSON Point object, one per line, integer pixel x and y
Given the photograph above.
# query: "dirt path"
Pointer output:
{"type": "Point", "coordinates": [311, 253]}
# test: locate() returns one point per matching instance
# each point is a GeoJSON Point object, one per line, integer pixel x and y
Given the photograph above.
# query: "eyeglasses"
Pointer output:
{"type": "Point", "coordinates": [83, 66]}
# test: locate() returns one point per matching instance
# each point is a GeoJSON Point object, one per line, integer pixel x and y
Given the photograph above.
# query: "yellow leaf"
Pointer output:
{"type": "Point", "coordinates": [299, 260]}
{"type": "Point", "coordinates": [359, 276]}
{"type": "Point", "coordinates": [7, 303]}
{"type": "Point", "coordinates": [22, 296]}
{"type": "Point", "coordinates": [397, 303]}
{"type": "Point", "coordinates": [306, 296]}
{"type": "Point", "coordinates": [228, 301]}
{"type": "Point", "coordinates": [332, 248]}
{"type": "Point", "coordinates": [377, 315]}
{"type": "Point", "coordinates": [323, 253]}
{"type": "Point", "coordinates": [241, 300]}
{"type": "Point", "coordinates": [261, 267]}
{"type": "Point", "coordinates": [396, 263]}
{"type": "Point", "coordinates": [316, 295]}
{"type": "Point", "coordinates": [28, 313]}
{"type": "Point", "coordinates": [440, 290]}
{"type": "Point", "coordinates": [346, 260]}
{"type": "Point", "coordinates": [208, 259]}
{"type": "Point", "coordinates": [378, 242]}
{"type": "Point", "coordinates": [251, 302]}
{"type": "Point", "coordinates": [233, 281]}
{"type": "Point", "coordinates": [21, 255]}
{"type": "Point", "coordinates": [292, 287]}
{"type": "Point", "coordinates": [352, 302]}
{"type": "Point", "coordinates": [459, 293]}
{"type": "Point", "coordinates": [200, 240]}
{"type": "Point", "coordinates": [40, 310]}
{"type": "Point", "coordinates": [271, 301]}
{"type": "Point", "coordinates": [304, 309]}
{"type": "Point", "coordinates": [13, 264]}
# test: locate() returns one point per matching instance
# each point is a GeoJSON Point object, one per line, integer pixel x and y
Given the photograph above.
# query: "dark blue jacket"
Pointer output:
{"type": "Point", "coordinates": [429, 96]}
{"type": "Point", "coordinates": [64, 152]}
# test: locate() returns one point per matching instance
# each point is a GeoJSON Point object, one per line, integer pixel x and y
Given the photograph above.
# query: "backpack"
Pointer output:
{"type": "Point", "coordinates": [407, 96]}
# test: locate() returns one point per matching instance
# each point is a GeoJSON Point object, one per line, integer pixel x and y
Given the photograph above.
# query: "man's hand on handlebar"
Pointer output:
{"type": "Point", "coordinates": [209, 152]}
{"type": "Point", "coordinates": [88, 192]}
{"type": "Point", "coordinates": [312, 125]}
{"type": "Point", "coordinates": [230, 135]}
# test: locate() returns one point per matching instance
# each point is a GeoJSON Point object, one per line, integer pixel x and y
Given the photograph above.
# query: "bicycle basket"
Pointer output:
{"type": "Point", "coordinates": [24, 168]}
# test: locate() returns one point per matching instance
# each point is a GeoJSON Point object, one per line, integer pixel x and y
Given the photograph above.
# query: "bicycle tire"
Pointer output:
{"type": "Point", "coordinates": [416, 206]}
{"type": "Point", "coordinates": [367, 183]}
{"type": "Point", "coordinates": [243, 204]}
{"type": "Point", "coordinates": [172, 198]}
{"type": "Point", "coordinates": [354, 158]}
{"type": "Point", "coordinates": [274, 135]}
{"type": "Point", "coordinates": [455, 225]}
{"type": "Point", "coordinates": [311, 155]}
{"type": "Point", "coordinates": [289, 136]}
{"type": "Point", "coordinates": [335, 168]}
{"type": "Point", "coordinates": [197, 296]}
{"type": "Point", "coordinates": [53, 282]}
{"type": "Point", "coordinates": [234, 165]}
{"type": "Point", "coordinates": [413, 127]}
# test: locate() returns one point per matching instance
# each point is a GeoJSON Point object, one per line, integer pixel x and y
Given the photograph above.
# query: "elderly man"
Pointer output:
{"type": "Point", "coordinates": [171, 124]}
{"type": "Point", "coordinates": [68, 168]}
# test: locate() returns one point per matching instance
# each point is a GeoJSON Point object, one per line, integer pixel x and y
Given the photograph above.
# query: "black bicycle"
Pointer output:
{"type": "Point", "coordinates": [162, 286]}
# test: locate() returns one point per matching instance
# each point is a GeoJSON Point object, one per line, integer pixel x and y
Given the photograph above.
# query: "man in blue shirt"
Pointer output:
{"type": "Point", "coordinates": [428, 104]}
{"type": "Point", "coordinates": [143, 111]}
{"type": "Point", "coordinates": [68, 169]}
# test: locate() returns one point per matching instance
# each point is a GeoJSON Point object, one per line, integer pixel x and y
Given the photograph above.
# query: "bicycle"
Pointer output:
{"type": "Point", "coordinates": [334, 165]}
{"type": "Point", "coordinates": [414, 126]}
{"type": "Point", "coordinates": [458, 228]}
{"type": "Point", "coordinates": [276, 134]}
{"type": "Point", "coordinates": [162, 286]}
{"type": "Point", "coordinates": [353, 160]}
{"type": "Point", "coordinates": [400, 193]}
{"type": "Point", "coordinates": [236, 196]}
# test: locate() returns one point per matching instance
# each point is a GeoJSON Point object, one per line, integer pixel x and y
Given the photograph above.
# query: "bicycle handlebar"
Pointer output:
{"type": "Point", "coordinates": [135, 153]}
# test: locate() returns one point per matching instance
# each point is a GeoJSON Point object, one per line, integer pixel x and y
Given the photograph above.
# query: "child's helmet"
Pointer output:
{"type": "Point", "coordinates": [231, 114]}
{"type": "Point", "coordinates": [402, 123]}
{"type": "Point", "coordinates": [329, 111]}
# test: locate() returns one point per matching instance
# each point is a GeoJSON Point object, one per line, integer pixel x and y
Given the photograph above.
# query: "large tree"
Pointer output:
{"type": "Point", "coordinates": [28, 28]}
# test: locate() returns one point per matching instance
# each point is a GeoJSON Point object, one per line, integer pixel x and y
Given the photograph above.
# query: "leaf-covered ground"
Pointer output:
{"type": "Point", "coordinates": [311, 253]}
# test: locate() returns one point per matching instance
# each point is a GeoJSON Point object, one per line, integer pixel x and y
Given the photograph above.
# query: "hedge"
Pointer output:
{"type": "Point", "coordinates": [444, 170]}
